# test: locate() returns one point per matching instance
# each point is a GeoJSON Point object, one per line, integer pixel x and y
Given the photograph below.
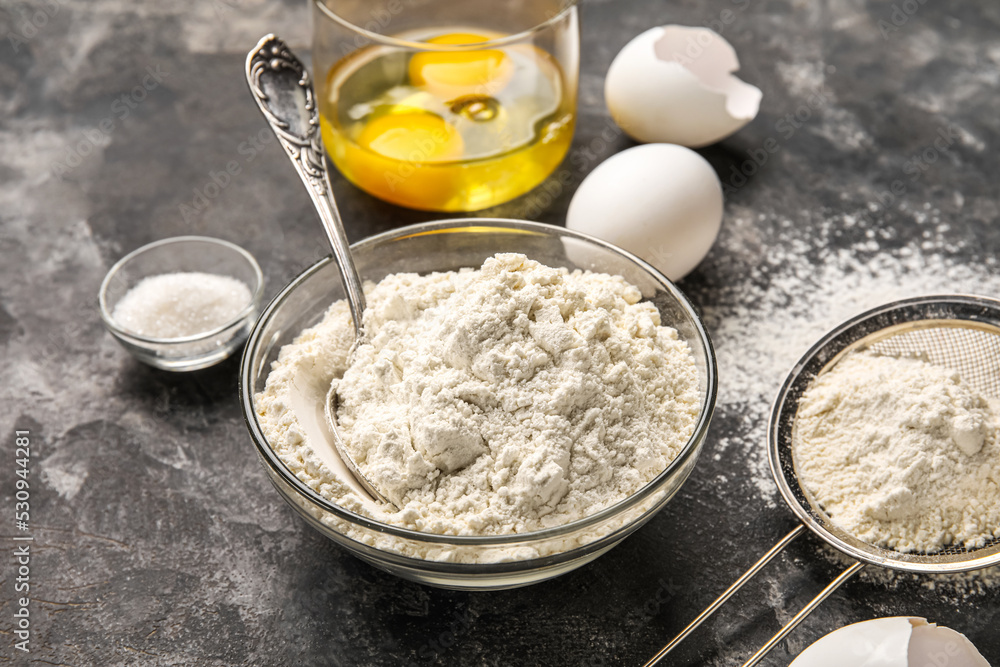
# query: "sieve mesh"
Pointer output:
{"type": "Point", "coordinates": [973, 352]}
{"type": "Point", "coordinates": [959, 333]}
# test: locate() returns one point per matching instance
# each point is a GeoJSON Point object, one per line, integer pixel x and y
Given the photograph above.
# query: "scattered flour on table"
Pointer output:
{"type": "Point", "coordinates": [900, 453]}
{"type": "Point", "coordinates": [493, 401]}
{"type": "Point", "coordinates": [765, 315]}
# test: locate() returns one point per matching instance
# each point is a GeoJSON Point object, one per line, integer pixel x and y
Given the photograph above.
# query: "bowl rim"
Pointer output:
{"type": "Point", "coordinates": [277, 466]}
{"type": "Point", "coordinates": [255, 297]}
{"type": "Point", "coordinates": [566, 7]}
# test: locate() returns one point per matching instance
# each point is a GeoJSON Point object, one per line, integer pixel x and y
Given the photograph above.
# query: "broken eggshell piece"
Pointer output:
{"type": "Point", "coordinates": [674, 84]}
{"type": "Point", "coordinates": [900, 641]}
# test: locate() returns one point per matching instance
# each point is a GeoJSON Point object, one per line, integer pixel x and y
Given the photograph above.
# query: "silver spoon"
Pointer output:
{"type": "Point", "coordinates": [281, 86]}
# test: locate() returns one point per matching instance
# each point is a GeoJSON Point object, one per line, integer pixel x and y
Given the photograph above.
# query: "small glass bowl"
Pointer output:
{"type": "Point", "coordinates": [471, 562]}
{"type": "Point", "coordinates": [183, 254]}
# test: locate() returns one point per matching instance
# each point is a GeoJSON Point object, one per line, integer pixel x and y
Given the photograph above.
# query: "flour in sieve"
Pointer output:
{"type": "Point", "coordinates": [808, 277]}
{"type": "Point", "coordinates": [493, 401]}
{"type": "Point", "coordinates": [900, 453]}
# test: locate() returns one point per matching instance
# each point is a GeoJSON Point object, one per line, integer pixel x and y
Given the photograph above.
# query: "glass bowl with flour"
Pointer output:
{"type": "Point", "coordinates": [526, 396]}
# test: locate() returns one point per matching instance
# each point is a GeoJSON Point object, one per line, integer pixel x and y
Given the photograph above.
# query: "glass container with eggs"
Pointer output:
{"type": "Point", "coordinates": [422, 105]}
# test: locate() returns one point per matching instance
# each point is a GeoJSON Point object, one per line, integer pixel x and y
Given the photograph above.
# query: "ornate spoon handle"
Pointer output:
{"type": "Point", "coordinates": [281, 86]}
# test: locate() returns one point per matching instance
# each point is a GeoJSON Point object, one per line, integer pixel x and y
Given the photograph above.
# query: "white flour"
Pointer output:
{"type": "Point", "coordinates": [900, 453]}
{"type": "Point", "coordinates": [762, 317]}
{"type": "Point", "coordinates": [495, 401]}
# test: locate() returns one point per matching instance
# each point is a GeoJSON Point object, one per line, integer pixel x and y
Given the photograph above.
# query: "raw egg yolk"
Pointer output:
{"type": "Point", "coordinates": [413, 136]}
{"type": "Point", "coordinates": [451, 74]}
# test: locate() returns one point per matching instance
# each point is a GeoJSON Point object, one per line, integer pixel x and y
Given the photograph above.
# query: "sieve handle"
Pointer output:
{"type": "Point", "coordinates": [815, 602]}
{"type": "Point", "coordinates": [728, 593]}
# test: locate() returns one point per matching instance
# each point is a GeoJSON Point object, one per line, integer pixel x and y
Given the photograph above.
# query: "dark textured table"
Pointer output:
{"type": "Point", "coordinates": [156, 536]}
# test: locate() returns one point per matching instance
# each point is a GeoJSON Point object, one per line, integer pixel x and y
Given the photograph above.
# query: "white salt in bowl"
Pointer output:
{"type": "Point", "coordinates": [469, 561]}
{"type": "Point", "coordinates": [184, 254]}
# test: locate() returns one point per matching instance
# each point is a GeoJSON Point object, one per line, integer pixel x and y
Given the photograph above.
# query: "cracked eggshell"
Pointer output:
{"type": "Point", "coordinates": [901, 641]}
{"type": "Point", "coordinates": [674, 84]}
{"type": "Point", "coordinates": [660, 202]}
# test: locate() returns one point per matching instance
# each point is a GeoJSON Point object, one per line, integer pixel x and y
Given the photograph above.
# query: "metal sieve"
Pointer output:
{"type": "Point", "coordinates": [961, 333]}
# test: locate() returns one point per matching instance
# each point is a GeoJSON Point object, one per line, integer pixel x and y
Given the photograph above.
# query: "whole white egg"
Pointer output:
{"type": "Point", "coordinates": [900, 641]}
{"type": "Point", "coordinates": [659, 201]}
{"type": "Point", "coordinates": [675, 84]}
